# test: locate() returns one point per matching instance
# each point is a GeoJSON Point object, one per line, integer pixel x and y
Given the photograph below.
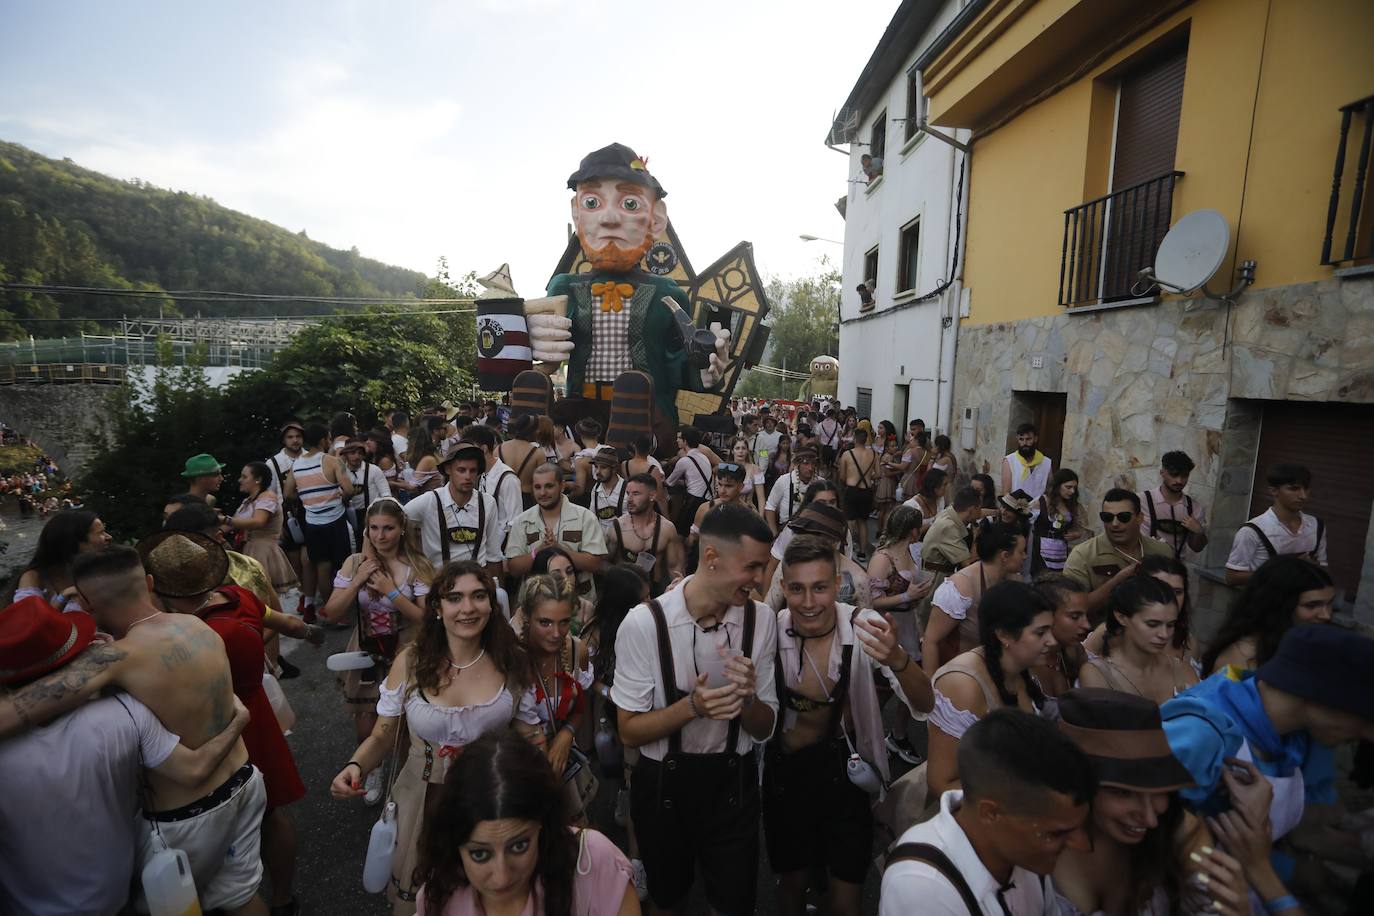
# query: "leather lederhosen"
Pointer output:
{"type": "Point", "coordinates": [449, 536]}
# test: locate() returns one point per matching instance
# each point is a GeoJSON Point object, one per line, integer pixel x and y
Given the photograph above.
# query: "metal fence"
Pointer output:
{"type": "Point", "coordinates": [1108, 240]}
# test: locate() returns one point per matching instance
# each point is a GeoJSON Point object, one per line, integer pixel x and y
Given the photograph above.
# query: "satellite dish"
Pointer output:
{"type": "Point", "coordinates": [1192, 251]}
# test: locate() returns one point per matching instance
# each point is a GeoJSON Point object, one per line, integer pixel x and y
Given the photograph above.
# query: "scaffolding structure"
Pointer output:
{"type": "Point", "coordinates": [248, 343]}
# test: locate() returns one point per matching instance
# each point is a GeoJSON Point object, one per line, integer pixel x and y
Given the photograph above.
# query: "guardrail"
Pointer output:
{"type": "Point", "coordinates": [63, 374]}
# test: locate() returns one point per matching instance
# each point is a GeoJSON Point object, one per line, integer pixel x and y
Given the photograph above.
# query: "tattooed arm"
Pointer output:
{"type": "Point", "coordinates": [65, 689]}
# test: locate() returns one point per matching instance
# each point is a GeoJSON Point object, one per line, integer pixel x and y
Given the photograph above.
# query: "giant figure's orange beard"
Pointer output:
{"type": "Point", "coordinates": [614, 258]}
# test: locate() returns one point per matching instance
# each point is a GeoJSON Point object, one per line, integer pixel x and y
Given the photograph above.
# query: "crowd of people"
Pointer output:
{"type": "Point", "coordinates": [40, 489]}
{"type": "Point", "coordinates": [812, 636]}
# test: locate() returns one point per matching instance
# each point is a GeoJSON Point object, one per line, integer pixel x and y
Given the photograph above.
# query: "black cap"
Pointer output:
{"type": "Point", "coordinates": [615, 161]}
{"type": "Point", "coordinates": [1325, 664]}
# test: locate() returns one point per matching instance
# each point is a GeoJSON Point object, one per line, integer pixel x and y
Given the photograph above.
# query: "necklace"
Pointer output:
{"type": "Point", "coordinates": [460, 668]}
{"type": "Point", "coordinates": [635, 528]}
{"type": "Point", "coordinates": [140, 620]}
{"type": "Point", "coordinates": [1127, 677]}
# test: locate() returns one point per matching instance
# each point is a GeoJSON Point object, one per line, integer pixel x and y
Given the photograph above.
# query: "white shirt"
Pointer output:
{"type": "Point", "coordinates": [1032, 480]}
{"type": "Point", "coordinates": [400, 445]}
{"type": "Point", "coordinates": [764, 445]}
{"type": "Point", "coordinates": [281, 460]}
{"type": "Point", "coordinates": [376, 485]}
{"type": "Point", "coordinates": [1248, 553]}
{"type": "Point", "coordinates": [76, 856]}
{"type": "Point", "coordinates": [915, 887]}
{"type": "Point", "coordinates": [600, 502]}
{"type": "Point", "coordinates": [690, 467]}
{"type": "Point", "coordinates": [421, 510]}
{"type": "Point", "coordinates": [786, 496]}
{"type": "Point", "coordinates": [637, 686]}
{"type": "Point", "coordinates": [502, 484]}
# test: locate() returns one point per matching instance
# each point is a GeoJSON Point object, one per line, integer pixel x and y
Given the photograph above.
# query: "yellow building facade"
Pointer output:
{"type": "Point", "coordinates": [1096, 125]}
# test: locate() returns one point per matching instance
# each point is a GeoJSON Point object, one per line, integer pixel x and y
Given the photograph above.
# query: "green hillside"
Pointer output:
{"type": "Point", "coordinates": [61, 224]}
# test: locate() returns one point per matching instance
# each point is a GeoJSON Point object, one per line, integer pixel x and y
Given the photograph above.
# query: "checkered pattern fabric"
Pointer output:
{"type": "Point", "coordinates": [610, 343]}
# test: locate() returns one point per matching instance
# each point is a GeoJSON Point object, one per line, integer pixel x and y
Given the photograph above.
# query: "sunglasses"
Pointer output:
{"type": "Point", "coordinates": [728, 467]}
{"type": "Point", "coordinates": [1121, 517]}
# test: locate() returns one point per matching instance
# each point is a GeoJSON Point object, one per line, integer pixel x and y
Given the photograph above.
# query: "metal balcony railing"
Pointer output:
{"type": "Point", "coordinates": [1108, 240]}
{"type": "Point", "coordinates": [1359, 236]}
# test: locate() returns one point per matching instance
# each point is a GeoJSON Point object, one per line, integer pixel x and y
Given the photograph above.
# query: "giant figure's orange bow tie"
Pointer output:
{"type": "Point", "coordinates": [612, 295]}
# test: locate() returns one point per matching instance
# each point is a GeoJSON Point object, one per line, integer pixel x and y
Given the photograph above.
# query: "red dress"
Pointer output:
{"type": "Point", "coordinates": [239, 624]}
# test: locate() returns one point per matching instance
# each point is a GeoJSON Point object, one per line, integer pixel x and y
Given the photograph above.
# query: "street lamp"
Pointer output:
{"type": "Point", "coordinates": [816, 238]}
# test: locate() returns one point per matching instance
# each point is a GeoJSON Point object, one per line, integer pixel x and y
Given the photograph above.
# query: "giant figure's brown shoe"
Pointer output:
{"type": "Point", "coordinates": [530, 393]}
{"type": "Point", "coordinates": [632, 407]}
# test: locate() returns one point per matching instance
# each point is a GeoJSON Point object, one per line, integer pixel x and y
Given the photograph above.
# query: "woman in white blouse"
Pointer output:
{"type": "Point", "coordinates": [466, 675]}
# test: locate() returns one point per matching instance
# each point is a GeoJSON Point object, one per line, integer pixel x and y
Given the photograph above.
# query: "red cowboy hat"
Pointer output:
{"type": "Point", "coordinates": [36, 639]}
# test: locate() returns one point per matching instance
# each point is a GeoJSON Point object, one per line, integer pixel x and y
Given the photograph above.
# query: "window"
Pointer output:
{"type": "Point", "coordinates": [871, 271]}
{"type": "Point", "coordinates": [913, 107]}
{"type": "Point", "coordinates": [909, 254]}
{"type": "Point", "coordinates": [863, 402]}
{"type": "Point", "coordinates": [877, 141]}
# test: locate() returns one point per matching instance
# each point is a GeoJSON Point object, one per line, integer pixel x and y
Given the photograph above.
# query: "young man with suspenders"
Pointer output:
{"type": "Point", "coordinates": [1283, 531]}
{"type": "Point", "coordinates": [993, 844]}
{"type": "Point", "coordinates": [695, 692]}
{"type": "Point", "coordinates": [606, 496]}
{"type": "Point", "coordinates": [786, 495]}
{"type": "Point", "coordinates": [457, 521]}
{"type": "Point", "coordinates": [499, 481]}
{"type": "Point", "coordinates": [817, 812]}
{"type": "Point", "coordinates": [642, 537]}
{"type": "Point", "coordinates": [368, 484]}
{"type": "Point", "coordinates": [1171, 515]}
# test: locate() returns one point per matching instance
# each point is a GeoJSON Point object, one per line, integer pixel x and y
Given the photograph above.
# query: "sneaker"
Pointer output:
{"type": "Point", "coordinates": [902, 748]}
{"type": "Point", "coordinates": [288, 670]}
{"type": "Point", "coordinates": [308, 612]}
{"type": "Point", "coordinates": [641, 879]}
{"type": "Point", "coordinates": [373, 784]}
{"type": "Point", "coordinates": [622, 807]}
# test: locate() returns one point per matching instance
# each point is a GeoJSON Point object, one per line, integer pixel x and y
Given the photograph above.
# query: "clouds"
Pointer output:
{"type": "Point", "coordinates": [451, 128]}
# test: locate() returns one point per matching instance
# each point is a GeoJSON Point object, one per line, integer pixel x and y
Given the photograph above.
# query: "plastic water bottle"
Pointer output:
{"type": "Point", "coordinates": [168, 883]}
{"type": "Point", "coordinates": [380, 850]}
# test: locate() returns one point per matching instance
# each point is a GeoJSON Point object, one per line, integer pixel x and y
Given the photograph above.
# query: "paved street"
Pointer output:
{"type": "Point", "coordinates": [333, 834]}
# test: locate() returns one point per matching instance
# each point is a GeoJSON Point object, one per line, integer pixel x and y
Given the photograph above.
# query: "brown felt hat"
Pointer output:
{"type": "Point", "coordinates": [183, 563]}
{"type": "Point", "coordinates": [1123, 736]}
{"type": "Point", "coordinates": [820, 519]}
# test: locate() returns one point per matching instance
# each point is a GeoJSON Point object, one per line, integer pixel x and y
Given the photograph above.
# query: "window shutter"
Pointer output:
{"type": "Point", "coordinates": [1147, 120]}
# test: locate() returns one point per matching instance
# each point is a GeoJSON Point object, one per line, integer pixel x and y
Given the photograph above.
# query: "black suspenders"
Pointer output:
{"type": "Point", "coordinates": [444, 529]}
{"type": "Point", "coordinates": [667, 671]}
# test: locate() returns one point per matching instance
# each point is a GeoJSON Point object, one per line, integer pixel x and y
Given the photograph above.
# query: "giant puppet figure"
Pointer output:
{"type": "Point", "coordinates": [626, 335]}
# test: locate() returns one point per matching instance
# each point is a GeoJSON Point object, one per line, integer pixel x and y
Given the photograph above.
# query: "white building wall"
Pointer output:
{"type": "Point", "coordinates": [901, 350]}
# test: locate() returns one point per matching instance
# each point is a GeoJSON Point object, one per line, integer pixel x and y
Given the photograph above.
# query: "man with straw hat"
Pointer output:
{"type": "Point", "coordinates": [177, 666]}
{"type": "Point", "coordinates": [187, 568]}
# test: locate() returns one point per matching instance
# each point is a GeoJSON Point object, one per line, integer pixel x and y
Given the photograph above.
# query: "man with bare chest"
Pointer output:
{"type": "Point", "coordinates": [816, 808]}
{"type": "Point", "coordinates": [642, 537]}
{"type": "Point", "coordinates": [176, 666]}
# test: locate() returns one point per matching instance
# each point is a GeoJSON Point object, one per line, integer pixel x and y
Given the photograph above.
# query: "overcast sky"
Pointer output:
{"type": "Point", "coordinates": [419, 129]}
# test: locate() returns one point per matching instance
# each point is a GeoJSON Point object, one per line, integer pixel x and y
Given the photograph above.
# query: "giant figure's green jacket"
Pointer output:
{"type": "Point", "coordinates": [655, 344]}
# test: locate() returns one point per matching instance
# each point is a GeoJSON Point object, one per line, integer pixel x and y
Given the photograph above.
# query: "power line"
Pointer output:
{"type": "Point", "coordinates": [270, 318]}
{"type": "Point", "coordinates": [201, 295]}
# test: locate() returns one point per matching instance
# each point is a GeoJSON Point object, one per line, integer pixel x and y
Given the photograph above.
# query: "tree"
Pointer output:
{"type": "Point", "coordinates": [804, 323]}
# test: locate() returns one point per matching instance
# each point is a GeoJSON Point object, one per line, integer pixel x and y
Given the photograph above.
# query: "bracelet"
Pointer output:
{"type": "Point", "coordinates": [692, 704]}
{"type": "Point", "coordinates": [393, 594]}
{"type": "Point", "coordinates": [905, 665]}
{"type": "Point", "coordinates": [354, 763]}
{"type": "Point", "coordinates": [1279, 904]}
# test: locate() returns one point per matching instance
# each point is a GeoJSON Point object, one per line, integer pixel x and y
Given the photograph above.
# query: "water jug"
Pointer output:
{"type": "Point", "coordinates": [380, 849]}
{"type": "Point", "coordinates": [167, 882]}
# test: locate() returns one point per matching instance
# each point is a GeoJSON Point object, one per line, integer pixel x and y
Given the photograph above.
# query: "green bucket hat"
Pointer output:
{"type": "Point", "coordinates": [201, 465]}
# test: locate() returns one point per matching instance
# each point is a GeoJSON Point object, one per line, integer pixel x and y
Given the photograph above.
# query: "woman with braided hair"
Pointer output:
{"type": "Point", "coordinates": [560, 672]}
{"type": "Point", "coordinates": [1016, 629]}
